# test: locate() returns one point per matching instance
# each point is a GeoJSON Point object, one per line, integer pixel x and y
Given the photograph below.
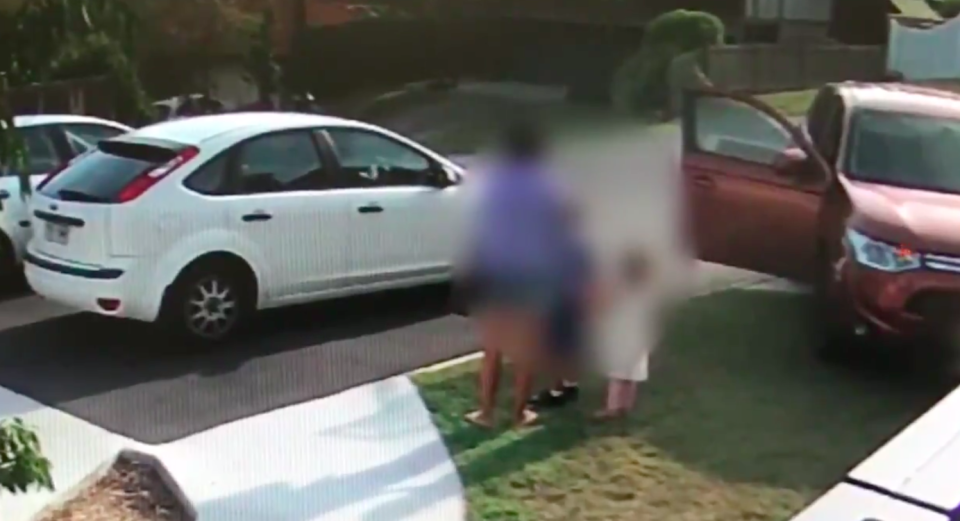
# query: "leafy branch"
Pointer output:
{"type": "Point", "coordinates": [22, 464]}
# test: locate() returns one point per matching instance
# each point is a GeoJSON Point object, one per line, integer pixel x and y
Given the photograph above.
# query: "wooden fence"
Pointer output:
{"type": "Point", "coordinates": [774, 67]}
{"type": "Point", "coordinates": [90, 96]}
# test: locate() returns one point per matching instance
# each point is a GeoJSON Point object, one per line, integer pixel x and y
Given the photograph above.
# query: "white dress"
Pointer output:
{"type": "Point", "coordinates": [626, 333]}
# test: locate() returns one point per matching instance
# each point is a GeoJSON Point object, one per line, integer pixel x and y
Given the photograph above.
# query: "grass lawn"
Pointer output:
{"type": "Point", "coordinates": [791, 102]}
{"type": "Point", "coordinates": [739, 423]}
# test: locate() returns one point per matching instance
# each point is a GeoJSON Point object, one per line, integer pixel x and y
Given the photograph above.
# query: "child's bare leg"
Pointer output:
{"type": "Point", "coordinates": [629, 395]}
{"type": "Point", "coordinates": [614, 400]}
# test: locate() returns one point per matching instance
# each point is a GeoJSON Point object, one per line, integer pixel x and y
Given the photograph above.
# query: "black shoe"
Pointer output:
{"type": "Point", "coordinates": [553, 398]}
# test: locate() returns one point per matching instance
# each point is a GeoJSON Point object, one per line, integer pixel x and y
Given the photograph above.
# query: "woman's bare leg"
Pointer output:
{"type": "Point", "coordinates": [491, 337]}
{"type": "Point", "coordinates": [525, 346]}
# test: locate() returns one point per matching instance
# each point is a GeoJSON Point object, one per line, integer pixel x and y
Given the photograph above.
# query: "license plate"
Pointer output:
{"type": "Point", "coordinates": [56, 233]}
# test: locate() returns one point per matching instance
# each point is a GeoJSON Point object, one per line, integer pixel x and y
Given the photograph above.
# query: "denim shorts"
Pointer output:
{"type": "Point", "coordinates": [521, 292]}
{"type": "Point", "coordinates": [565, 334]}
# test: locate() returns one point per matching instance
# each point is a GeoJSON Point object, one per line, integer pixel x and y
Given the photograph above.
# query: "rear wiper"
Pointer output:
{"type": "Point", "coordinates": [80, 197]}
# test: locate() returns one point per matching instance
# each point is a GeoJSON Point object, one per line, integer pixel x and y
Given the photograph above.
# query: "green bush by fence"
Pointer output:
{"type": "Point", "coordinates": [642, 82]}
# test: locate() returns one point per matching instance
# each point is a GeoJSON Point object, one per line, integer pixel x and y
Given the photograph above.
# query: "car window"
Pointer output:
{"type": "Point", "coordinates": [735, 129]}
{"type": "Point", "coordinates": [370, 159]}
{"type": "Point", "coordinates": [280, 163]}
{"type": "Point", "coordinates": [84, 136]}
{"type": "Point", "coordinates": [42, 155]}
{"type": "Point", "coordinates": [211, 178]}
{"type": "Point", "coordinates": [101, 175]}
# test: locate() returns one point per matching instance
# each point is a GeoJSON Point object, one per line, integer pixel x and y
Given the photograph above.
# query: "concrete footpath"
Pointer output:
{"type": "Point", "coordinates": [368, 454]}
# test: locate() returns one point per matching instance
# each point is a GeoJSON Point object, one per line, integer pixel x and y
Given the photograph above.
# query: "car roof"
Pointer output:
{"type": "Point", "coordinates": [58, 119]}
{"type": "Point", "coordinates": [195, 130]}
{"type": "Point", "coordinates": [902, 97]}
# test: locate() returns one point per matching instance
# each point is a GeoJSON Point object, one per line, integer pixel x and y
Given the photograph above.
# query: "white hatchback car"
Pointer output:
{"type": "Point", "coordinates": [198, 222]}
{"type": "Point", "coordinates": [51, 142]}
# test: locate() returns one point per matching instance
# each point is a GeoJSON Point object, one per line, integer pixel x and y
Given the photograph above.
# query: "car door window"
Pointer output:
{"type": "Point", "coordinates": [84, 136]}
{"type": "Point", "coordinates": [370, 159]}
{"type": "Point", "coordinates": [732, 128]}
{"type": "Point", "coordinates": [42, 155]}
{"type": "Point", "coordinates": [283, 162]}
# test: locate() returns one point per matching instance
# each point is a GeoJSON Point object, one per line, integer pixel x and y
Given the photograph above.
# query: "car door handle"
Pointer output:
{"type": "Point", "coordinates": [370, 208]}
{"type": "Point", "coordinates": [4, 195]}
{"type": "Point", "coordinates": [256, 216]}
{"type": "Point", "coordinates": [704, 181]}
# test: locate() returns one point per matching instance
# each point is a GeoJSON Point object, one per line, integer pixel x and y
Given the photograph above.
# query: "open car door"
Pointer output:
{"type": "Point", "coordinates": [753, 184]}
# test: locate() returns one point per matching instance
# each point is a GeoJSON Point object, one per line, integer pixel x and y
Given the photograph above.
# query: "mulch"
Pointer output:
{"type": "Point", "coordinates": [130, 491]}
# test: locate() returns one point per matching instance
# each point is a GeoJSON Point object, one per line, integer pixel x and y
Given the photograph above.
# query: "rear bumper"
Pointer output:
{"type": "Point", "coordinates": [82, 286]}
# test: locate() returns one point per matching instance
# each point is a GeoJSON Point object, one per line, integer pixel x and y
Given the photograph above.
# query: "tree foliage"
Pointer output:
{"type": "Point", "coordinates": [22, 464]}
{"type": "Point", "coordinates": [57, 39]}
{"type": "Point", "coordinates": [261, 63]}
{"type": "Point", "coordinates": [196, 32]}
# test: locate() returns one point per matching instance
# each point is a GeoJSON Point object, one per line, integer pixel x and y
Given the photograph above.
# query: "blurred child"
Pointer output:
{"type": "Point", "coordinates": [626, 331]}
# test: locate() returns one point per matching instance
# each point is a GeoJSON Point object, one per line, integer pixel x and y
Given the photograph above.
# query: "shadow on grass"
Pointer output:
{"type": "Point", "coordinates": [738, 410]}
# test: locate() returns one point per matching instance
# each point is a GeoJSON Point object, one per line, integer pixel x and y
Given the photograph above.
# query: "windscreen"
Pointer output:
{"type": "Point", "coordinates": [98, 177]}
{"type": "Point", "coordinates": [908, 150]}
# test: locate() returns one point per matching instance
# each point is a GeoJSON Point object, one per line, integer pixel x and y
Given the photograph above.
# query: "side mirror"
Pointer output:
{"type": "Point", "coordinates": [792, 163]}
{"type": "Point", "coordinates": [440, 178]}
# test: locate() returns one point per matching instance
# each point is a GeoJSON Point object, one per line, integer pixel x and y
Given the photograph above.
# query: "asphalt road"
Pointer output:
{"type": "Point", "coordinates": [126, 377]}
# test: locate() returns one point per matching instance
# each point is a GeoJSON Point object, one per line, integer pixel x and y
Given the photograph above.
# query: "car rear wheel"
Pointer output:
{"type": "Point", "coordinates": [209, 302]}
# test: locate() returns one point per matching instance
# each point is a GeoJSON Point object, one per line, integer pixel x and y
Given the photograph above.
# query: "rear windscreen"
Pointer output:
{"type": "Point", "coordinates": [99, 176]}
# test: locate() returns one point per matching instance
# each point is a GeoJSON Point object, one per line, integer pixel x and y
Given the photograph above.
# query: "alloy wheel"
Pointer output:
{"type": "Point", "coordinates": [212, 308]}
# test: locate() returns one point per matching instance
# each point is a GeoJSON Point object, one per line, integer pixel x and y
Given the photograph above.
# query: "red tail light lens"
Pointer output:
{"type": "Point", "coordinates": [151, 177]}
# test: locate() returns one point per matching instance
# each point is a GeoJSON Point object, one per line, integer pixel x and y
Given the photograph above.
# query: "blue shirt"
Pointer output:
{"type": "Point", "coordinates": [521, 227]}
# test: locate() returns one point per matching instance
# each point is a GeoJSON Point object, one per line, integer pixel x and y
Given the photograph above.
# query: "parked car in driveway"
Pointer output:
{"type": "Point", "coordinates": [51, 141]}
{"type": "Point", "coordinates": [864, 204]}
{"type": "Point", "coordinates": [198, 222]}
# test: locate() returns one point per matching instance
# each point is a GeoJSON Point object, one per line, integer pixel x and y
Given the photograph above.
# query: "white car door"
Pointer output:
{"type": "Point", "coordinates": [42, 156]}
{"type": "Point", "coordinates": [286, 208]}
{"type": "Point", "coordinates": [402, 226]}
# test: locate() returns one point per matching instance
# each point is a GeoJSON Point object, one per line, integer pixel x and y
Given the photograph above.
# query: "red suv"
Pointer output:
{"type": "Point", "coordinates": [862, 201]}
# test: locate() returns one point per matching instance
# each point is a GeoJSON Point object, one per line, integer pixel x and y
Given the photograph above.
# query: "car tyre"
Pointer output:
{"type": "Point", "coordinates": [209, 302]}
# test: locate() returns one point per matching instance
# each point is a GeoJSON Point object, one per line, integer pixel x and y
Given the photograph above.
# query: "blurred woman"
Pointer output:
{"type": "Point", "coordinates": [521, 232]}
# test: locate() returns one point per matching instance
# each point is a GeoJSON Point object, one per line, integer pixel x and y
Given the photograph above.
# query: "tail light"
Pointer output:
{"type": "Point", "coordinates": [151, 177]}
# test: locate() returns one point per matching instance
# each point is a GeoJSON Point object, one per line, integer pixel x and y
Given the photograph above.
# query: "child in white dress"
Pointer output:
{"type": "Point", "coordinates": [626, 331]}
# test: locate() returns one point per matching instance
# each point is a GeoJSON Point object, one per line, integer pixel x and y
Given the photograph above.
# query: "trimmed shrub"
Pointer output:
{"type": "Point", "coordinates": [686, 30]}
{"type": "Point", "coordinates": [641, 83]}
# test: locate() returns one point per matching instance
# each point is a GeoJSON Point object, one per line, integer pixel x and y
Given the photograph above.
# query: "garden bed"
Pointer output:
{"type": "Point", "coordinates": [129, 491]}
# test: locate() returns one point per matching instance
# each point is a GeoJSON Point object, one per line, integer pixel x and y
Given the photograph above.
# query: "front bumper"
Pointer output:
{"type": "Point", "coordinates": [917, 304]}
